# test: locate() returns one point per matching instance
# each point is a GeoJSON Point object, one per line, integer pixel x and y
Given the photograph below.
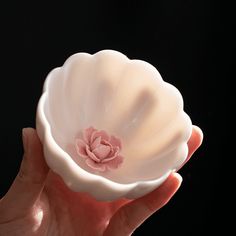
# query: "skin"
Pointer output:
{"type": "Point", "coordinates": [39, 203]}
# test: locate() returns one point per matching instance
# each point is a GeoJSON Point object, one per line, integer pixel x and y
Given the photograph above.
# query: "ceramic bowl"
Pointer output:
{"type": "Point", "coordinates": [111, 126]}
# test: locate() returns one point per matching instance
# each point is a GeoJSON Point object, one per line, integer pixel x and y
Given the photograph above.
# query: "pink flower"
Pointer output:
{"type": "Point", "coordinates": [101, 151]}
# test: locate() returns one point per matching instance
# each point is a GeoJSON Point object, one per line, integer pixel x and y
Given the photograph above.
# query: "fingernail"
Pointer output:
{"type": "Point", "coordinates": [179, 177]}
{"type": "Point", "coordinates": [24, 139]}
{"type": "Point", "coordinates": [199, 131]}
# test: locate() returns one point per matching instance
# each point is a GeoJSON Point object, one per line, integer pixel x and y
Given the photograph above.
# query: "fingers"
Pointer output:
{"type": "Point", "coordinates": [194, 142]}
{"type": "Point", "coordinates": [30, 180]}
{"type": "Point", "coordinates": [131, 215]}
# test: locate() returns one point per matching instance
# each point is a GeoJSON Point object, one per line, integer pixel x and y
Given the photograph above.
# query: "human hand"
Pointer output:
{"type": "Point", "coordinates": [39, 203]}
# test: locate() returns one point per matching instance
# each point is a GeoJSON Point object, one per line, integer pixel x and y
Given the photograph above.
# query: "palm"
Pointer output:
{"type": "Point", "coordinates": [67, 212]}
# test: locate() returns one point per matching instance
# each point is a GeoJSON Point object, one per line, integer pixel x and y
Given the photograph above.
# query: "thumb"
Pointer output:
{"type": "Point", "coordinates": [30, 180]}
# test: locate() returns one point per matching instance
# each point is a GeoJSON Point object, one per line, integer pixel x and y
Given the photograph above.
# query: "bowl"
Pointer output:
{"type": "Point", "coordinates": [111, 126]}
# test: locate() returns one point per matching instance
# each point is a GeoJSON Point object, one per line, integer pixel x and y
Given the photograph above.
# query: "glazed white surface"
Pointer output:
{"type": "Point", "coordinates": [126, 98]}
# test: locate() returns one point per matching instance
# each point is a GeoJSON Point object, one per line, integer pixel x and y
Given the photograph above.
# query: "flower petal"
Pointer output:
{"type": "Point", "coordinates": [80, 146]}
{"type": "Point", "coordinates": [102, 151]}
{"type": "Point", "coordinates": [101, 134]}
{"type": "Point", "coordinates": [112, 156]}
{"type": "Point", "coordinates": [94, 165]}
{"type": "Point", "coordinates": [91, 155]}
{"type": "Point", "coordinates": [95, 143]}
{"type": "Point", "coordinates": [115, 141]}
{"type": "Point", "coordinates": [115, 163]}
{"type": "Point", "coordinates": [87, 133]}
{"type": "Point", "coordinates": [108, 144]}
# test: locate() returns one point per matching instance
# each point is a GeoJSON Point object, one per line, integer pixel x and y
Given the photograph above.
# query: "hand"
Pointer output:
{"type": "Point", "coordinates": [39, 203]}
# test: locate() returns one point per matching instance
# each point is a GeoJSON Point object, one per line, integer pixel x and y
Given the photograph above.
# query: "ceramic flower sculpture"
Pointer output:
{"type": "Point", "coordinates": [111, 126]}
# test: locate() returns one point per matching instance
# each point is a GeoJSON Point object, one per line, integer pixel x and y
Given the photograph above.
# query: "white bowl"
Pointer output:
{"type": "Point", "coordinates": [111, 126]}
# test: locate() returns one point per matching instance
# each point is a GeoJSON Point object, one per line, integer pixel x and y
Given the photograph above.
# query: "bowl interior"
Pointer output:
{"type": "Point", "coordinates": [127, 99]}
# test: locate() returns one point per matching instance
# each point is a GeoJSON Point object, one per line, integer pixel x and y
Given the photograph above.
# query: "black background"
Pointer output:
{"type": "Point", "coordinates": [189, 42]}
